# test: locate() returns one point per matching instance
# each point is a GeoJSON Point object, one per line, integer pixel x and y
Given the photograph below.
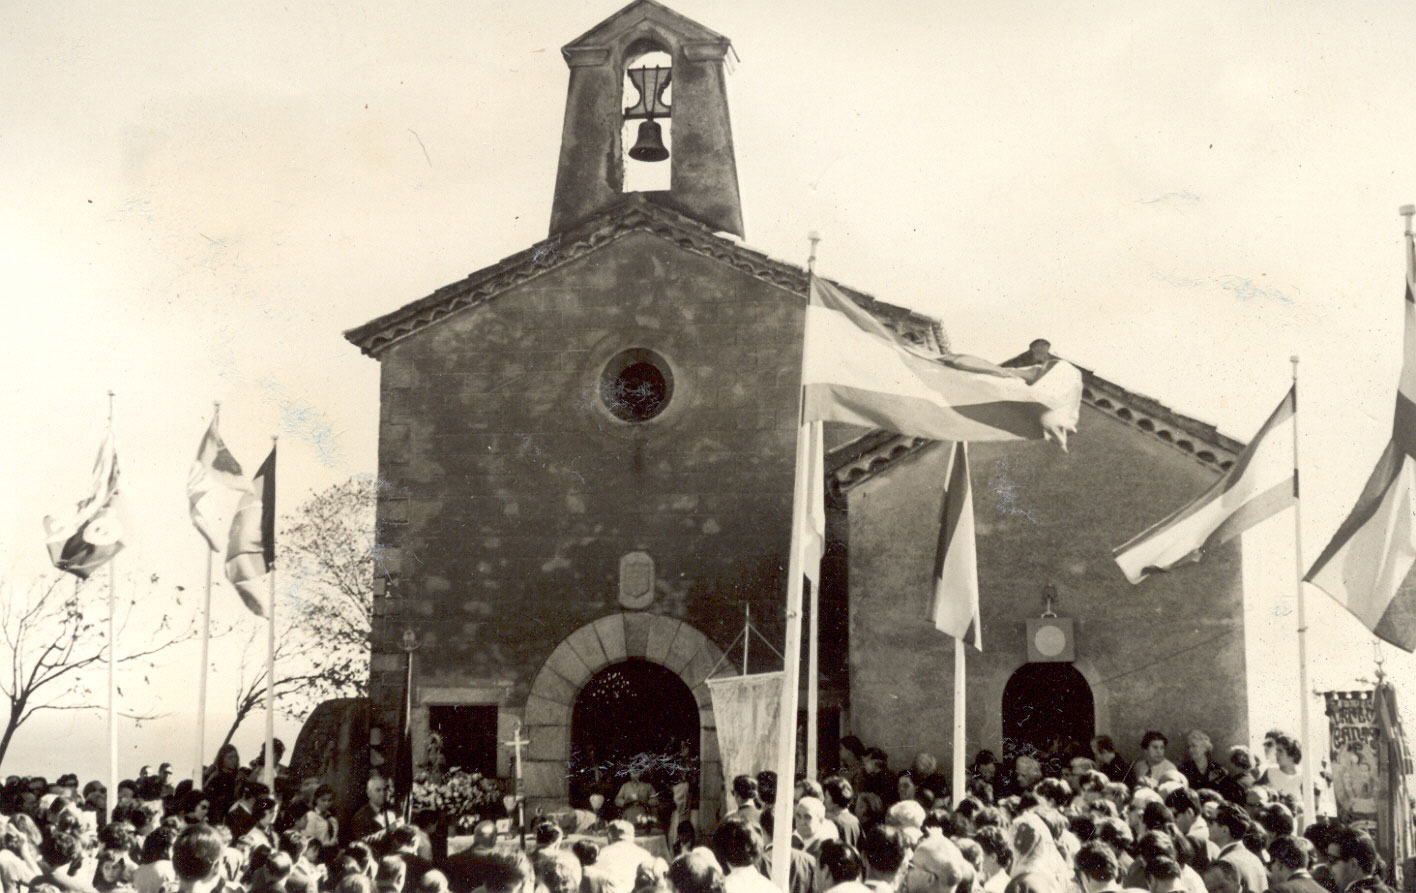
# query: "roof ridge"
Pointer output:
{"type": "Point", "coordinates": [678, 19]}
{"type": "Point", "coordinates": [633, 212]}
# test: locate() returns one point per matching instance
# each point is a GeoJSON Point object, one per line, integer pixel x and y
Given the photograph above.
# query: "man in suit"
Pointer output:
{"type": "Point", "coordinates": [377, 815]}
{"type": "Point", "coordinates": [1222, 877]}
{"type": "Point", "coordinates": [1189, 813]}
{"type": "Point", "coordinates": [1355, 864]}
{"type": "Point", "coordinates": [403, 840]}
{"type": "Point", "coordinates": [1230, 825]}
{"type": "Point", "coordinates": [1288, 867]}
{"type": "Point", "coordinates": [469, 869]}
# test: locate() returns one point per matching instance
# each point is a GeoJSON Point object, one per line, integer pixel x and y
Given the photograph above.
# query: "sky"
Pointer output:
{"type": "Point", "coordinates": [200, 198]}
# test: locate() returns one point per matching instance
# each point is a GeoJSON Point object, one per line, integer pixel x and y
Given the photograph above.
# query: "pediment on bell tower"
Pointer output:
{"type": "Point", "coordinates": [640, 19]}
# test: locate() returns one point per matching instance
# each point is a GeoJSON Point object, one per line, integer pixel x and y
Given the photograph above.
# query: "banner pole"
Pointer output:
{"type": "Point", "coordinates": [112, 656]}
{"type": "Point", "coordinates": [1309, 801]}
{"type": "Point", "coordinates": [746, 635]}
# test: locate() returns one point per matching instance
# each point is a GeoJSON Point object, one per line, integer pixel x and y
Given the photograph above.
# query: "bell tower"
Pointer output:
{"type": "Point", "coordinates": [703, 180]}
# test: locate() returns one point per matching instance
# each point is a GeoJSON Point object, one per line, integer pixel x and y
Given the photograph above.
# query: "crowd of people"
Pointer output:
{"type": "Point", "coordinates": [1058, 821]}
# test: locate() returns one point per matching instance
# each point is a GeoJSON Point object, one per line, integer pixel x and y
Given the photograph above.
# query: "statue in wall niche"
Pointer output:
{"type": "Point", "coordinates": [436, 762]}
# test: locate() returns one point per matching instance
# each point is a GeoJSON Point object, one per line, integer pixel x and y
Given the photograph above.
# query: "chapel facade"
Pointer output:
{"type": "Point", "coordinates": [586, 462]}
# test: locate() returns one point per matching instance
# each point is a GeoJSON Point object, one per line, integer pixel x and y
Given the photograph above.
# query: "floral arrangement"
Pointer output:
{"type": "Point", "coordinates": [462, 798]}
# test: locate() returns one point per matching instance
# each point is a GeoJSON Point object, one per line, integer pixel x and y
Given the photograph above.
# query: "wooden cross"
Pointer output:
{"type": "Point", "coordinates": [516, 743]}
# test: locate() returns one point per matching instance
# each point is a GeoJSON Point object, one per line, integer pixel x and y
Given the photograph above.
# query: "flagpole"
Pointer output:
{"type": "Point", "coordinates": [206, 648]}
{"type": "Point", "coordinates": [813, 644]}
{"type": "Point", "coordinates": [112, 657]}
{"type": "Point", "coordinates": [960, 715]}
{"type": "Point", "coordinates": [791, 679]}
{"type": "Point", "coordinates": [1309, 804]}
{"type": "Point", "coordinates": [783, 806]}
{"type": "Point", "coordinates": [268, 765]}
{"type": "Point", "coordinates": [202, 675]}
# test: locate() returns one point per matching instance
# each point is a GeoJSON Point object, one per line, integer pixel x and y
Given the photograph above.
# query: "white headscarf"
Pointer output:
{"type": "Point", "coordinates": [1034, 850]}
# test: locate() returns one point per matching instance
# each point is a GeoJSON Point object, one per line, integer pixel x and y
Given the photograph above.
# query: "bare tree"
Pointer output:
{"type": "Point", "coordinates": [294, 677]}
{"type": "Point", "coordinates": [53, 636]}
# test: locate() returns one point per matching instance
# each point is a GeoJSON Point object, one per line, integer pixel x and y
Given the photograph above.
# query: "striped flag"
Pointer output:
{"type": "Point", "coordinates": [214, 472]}
{"type": "Point", "coordinates": [1404, 426]}
{"type": "Point", "coordinates": [1367, 566]}
{"type": "Point", "coordinates": [856, 370]}
{"type": "Point", "coordinates": [813, 534]}
{"type": "Point", "coordinates": [954, 609]}
{"type": "Point", "coordinates": [94, 534]}
{"type": "Point", "coordinates": [1261, 483]}
{"type": "Point", "coordinates": [250, 551]}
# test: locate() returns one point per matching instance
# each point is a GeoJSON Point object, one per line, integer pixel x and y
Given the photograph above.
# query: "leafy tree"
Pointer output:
{"type": "Point", "coordinates": [54, 635]}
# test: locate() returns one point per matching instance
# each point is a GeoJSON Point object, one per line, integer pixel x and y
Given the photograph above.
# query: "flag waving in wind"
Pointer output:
{"type": "Point", "coordinates": [1259, 484]}
{"type": "Point", "coordinates": [94, 535]}
{"type": "Point", "coordinates": [215, 470]}
{"type": "Point", "coordinates": [1367, 566]}
{"type": "Point", "coordinates": [250, 551]}
{"type": "Point", "coordinates": [955, 606]}
{"type": "Point", "coordinates": [855, 370]}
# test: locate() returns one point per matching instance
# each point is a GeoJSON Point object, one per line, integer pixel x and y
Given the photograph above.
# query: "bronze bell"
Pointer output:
{"type": "Point", "coordinates": [650, 144]}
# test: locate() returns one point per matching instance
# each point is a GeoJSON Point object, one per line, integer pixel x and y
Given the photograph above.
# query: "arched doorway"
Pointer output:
{"type": "Point", "coordinates": [635, 715]}
{"type": "Point", "coordinates": [1047, 707]}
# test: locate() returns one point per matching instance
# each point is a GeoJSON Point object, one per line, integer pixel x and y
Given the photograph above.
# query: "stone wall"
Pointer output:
{"type": "Point", "coordinates": [511, 493]}
{"type": "Point", "coordinates": [1166, 654]}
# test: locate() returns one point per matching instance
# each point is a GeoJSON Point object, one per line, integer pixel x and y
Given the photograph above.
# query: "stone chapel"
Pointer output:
{"type": "Point", "coordinates": [587, 453]}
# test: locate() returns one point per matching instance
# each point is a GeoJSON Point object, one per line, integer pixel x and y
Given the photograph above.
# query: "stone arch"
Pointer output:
{"type": "Point", "coordinates": [671, 643]}
{"type": "Point", "coordinates": [1043, 699]}
{"type": "Point", "coordinates": [1101, 693]}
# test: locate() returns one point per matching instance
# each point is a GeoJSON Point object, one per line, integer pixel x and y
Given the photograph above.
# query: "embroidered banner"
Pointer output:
{"type": "Point", "coordinates": [747, 710]}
